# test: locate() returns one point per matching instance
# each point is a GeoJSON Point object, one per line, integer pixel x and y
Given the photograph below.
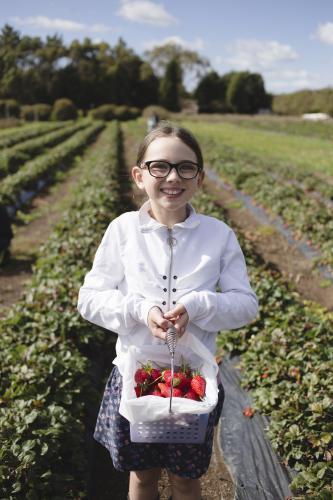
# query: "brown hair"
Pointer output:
{"type": "Point", "coordinates": [167, 129]}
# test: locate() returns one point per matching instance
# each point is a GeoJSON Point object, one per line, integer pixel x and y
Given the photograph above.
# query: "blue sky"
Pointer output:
{"type": "Point", "coordinates": [290, 42]}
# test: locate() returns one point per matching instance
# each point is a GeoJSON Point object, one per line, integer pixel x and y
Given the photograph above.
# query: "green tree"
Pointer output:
{"type": "Point", "coordinates": [170, 87]}
{"type": "Point", "coordinates": [147, 86]}
{"type": "Point", "coordinates": [211, 93]}
{"type": "Point", "coordinates": [9, 69]}
{"type": "Point", "coordinates": [193, 66]}
{"type": "Point", "coordinates": [246, 93]}
{"type": "Point", "coordinates": [88, 73]}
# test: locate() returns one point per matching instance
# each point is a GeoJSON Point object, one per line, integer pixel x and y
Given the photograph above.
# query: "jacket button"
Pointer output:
{"type": "Point", "coordinates": [164, 277]}
{"type": "Point", "coordinates": [165, 290]}
{"type": "Point", "coordinates": [175, 277]}
{"type": "Point", "coordinates": [173, 302]}
{"type": "Point", "coordinates": [174, 290]}
{"type": "Point", "coordinates": [164, 303]}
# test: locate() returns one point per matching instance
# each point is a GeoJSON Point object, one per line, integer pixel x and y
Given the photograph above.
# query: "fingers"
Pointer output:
{"type": "Point", "coordinates": [158, 325]}
{"type": "Point", "coordinates": [159, 333]}
{"type": "Point", "coordinates": [176, 311]}
{"type": "Point", "coordinates": [181, 324]}
{"type": "Point", "coordinates": [159, 322]}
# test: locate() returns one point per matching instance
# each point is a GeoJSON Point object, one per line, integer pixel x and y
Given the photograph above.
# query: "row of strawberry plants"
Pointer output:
{"type": "Point", "coordinates": [47, 380]}
{"type": "Point", "coordinates": [9, 138]}
{"type": "Point", "coordinates": [12, 158]}
{"type": "Point", "coordinates": [285, 126]}
{"type": "Point", "coordinates": [286, 360]}
{"type": "Point", "coordinates": [45, 166]}
{"type": "Point", "coordinates": [310, 180]}
{"type": "Point", "coordinates": [308, 218]}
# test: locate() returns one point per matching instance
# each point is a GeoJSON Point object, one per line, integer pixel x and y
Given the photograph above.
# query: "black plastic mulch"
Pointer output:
{"type": "Point", "coordinates": [257, 471]}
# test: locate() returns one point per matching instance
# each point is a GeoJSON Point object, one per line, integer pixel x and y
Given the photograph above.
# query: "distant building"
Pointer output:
{"type": "Point", "coordinates": [316, 117]}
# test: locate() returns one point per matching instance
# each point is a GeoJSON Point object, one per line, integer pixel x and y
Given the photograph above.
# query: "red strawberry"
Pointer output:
{"type": "Point", "coordinates": [181, 381]}
{"type": "Point", "coordinates": [155, 392]}
{"type": "Point", "coordinates": [248, 412]}
{"type": "Point", "coordinates": [141, 376]}
{"type": "Point", "coordinates": [138, 391]}
{"type": "Point", "coordinates": [166, 376]}
{"type": "Point", "coordinates": [198, 384]}
{"type": "Point", "coordinates": [155, 374]}
{"type": "Point", "coordinates": [166, 391]}
{"type": "Point", "coordinates": [162, 387]}
{"type": "Point", "coordinates": [191, 395]}
{"type": "Point", "coordinates": [177, 393]}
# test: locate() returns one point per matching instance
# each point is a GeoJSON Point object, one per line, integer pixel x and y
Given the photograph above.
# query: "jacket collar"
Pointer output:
{"type": "Point", "coordinates": [148, 223]}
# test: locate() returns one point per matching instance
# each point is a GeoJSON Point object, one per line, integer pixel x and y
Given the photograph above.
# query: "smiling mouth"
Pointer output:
{"type": "Point", "coordinates": [172, 192]}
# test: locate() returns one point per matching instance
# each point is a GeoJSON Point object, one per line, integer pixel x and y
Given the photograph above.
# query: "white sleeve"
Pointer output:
{"type": "Point", "coordinates": [236, 304]}
{"type": "Point", "coordinates": [100, 301]}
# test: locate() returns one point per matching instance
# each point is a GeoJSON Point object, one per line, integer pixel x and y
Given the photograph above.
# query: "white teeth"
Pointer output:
{"type": "Point", "coordinates": [172, 191]}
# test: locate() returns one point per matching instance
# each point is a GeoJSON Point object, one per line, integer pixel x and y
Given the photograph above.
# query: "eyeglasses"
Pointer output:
{"type": "Point", "coordinates": [162, 168]}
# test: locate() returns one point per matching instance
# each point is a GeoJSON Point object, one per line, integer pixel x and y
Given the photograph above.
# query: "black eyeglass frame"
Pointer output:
{"type": "Point", "coordinates": [171, 166]}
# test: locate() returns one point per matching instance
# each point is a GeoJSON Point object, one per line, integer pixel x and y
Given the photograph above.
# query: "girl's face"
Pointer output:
{"type": "Point", "coordinates": [168, 196]}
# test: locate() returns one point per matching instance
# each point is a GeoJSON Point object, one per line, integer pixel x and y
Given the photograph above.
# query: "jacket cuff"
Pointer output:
{"type": "Point", "coordinates": [143, 309]}
{"type": "Point", "coordinates": [190, 302]}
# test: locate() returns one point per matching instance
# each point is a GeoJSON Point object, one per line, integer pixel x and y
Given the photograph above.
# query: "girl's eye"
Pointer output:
{"type": "Point", "coordinates": [188, 168]}
{"type": "Point", "coordinates": [159, 166]}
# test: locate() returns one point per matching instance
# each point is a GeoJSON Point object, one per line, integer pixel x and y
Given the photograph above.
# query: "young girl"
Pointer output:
{"type": "Point", "coordinates": [156, 267]}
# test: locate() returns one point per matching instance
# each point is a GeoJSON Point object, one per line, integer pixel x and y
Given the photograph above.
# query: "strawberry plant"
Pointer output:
{"type": "Point", "coordinates": [12, 158]}
{"type": "Point", "coordinates": [45, 166]}
{"type": "Point", "coordinates": [47, 357]}
{"type": "Point", "coordinates": [285, 363]}
{"type": "Point", "coordinates": [9, 138]}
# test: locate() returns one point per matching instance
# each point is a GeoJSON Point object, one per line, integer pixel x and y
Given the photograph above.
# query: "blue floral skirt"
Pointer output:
{"type": "Point", "coordinates": [113, 432]}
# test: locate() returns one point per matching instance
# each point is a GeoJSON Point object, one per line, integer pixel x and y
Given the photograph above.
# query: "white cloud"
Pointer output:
{"type": "Point", "coordinates": [325, 33]}
{"type": "Point", "coordinates": [145, 11]}
{"type": "Point", "coordinates": [288, 80]}
{"type": "Point", "coordinates": [196, 44]}
{"type": "Point", "coordinates": [99, 28]}
{"type": "Point", "coordinates": [258, 55]}
{"type": "Point", "coordinates": [43, 22]}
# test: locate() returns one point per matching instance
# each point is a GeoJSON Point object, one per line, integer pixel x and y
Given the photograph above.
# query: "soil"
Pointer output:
{"type": "Point", "coordinates": [276, 251]}
{"type": "Point", "coordinates": [44, 211]}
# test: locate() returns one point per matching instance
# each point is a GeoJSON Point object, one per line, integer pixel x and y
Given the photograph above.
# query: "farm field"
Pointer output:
{"type": "Point", "coordinates": [312, 153]}
{"type": "Point", "coordinates": [285, 190]}
{"type": "Point", "coordinates": [51, 359]}
{"type": "Point", "coordinates": [285, 125]}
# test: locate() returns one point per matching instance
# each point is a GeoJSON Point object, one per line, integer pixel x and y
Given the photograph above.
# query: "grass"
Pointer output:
{"type": "Point", "coordinates": [309, 153]}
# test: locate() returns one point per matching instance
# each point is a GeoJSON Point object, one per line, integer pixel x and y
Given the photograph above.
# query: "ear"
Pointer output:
{"type": "Point", "coordinates": [137, 176]}
{"type": "Point", "coordinates": [201, 177]}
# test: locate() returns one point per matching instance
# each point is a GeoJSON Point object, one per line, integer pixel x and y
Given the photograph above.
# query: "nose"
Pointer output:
{"type": "Point", "coordinates": [173, 174]}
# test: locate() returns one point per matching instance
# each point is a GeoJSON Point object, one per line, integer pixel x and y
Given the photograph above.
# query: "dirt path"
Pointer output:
{"type": "Point", "coordinates": [44, 212]}
{"type": "Point", "coordinates": [275, 250]}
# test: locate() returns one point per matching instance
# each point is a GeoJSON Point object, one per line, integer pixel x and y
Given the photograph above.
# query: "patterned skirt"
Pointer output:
{"type": "Point", "coordinates": [113, 432]}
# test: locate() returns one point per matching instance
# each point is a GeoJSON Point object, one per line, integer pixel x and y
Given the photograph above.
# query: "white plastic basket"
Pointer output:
{"type": "Point", "coordinates": [177, 428]}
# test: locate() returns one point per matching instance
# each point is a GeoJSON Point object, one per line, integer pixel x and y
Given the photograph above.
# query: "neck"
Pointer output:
{"type": "Point", "coordinates": [169, 219]}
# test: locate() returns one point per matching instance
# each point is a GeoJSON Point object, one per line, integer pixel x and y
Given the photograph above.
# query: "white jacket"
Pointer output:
{"type": "Point", "coordinates": [141, 263]}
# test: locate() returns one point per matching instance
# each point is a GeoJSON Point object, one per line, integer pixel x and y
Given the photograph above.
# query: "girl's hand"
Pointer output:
{"type": "Point", "coordinates": [179, 317]}
{"type": "Point", "coordinates": [157, 324]}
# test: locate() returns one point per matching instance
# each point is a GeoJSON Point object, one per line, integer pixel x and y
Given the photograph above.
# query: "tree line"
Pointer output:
{"type": "Point", "coordinates": [92, 74]}
{"type": "Point", "coordinates": [304, 101]}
